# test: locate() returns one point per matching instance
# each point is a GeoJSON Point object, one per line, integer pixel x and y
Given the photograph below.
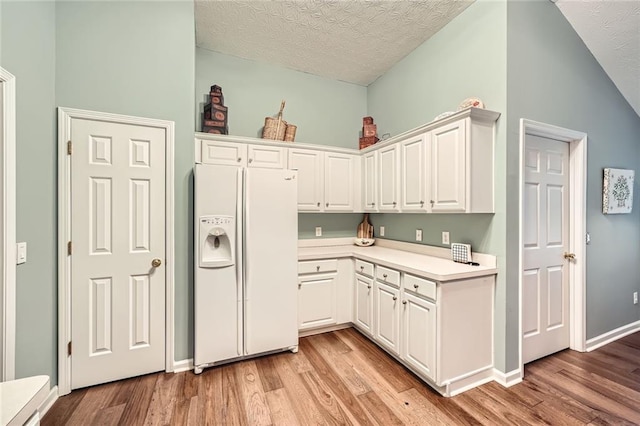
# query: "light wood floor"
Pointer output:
{"type": "Point", "coordinates": [342, 378]}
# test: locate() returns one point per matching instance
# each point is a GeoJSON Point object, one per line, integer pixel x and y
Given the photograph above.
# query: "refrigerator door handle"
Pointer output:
{"type": "Point", "coordinates": [240, 257]}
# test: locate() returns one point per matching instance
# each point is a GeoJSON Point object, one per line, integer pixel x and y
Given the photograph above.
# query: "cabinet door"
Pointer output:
{"type": "Point", "coordinates": [224, 153]}
{"type": "Point", "coordinates": [339, 172]}
{"type": "Point", "coordinates": [388, 178]}
{"type": "Point", "coordinates": [419, 335]}
{"type": "Point", "coordinates": [448, 167]}
{"type": "Point", "coordinates": [269, 157]}
{"type": "Point", "coordinates": [387, 316]}
{"type": "Point", "coordinates": [364, 303]}
{"type": "Point", "coordinates": [316, 300]}
{"type": "Point", "coordinates": [414, 172]}
{"type": "Point", "coordinates": [369, 182]}
{"type": "Point", "coordinates": [310, 178]}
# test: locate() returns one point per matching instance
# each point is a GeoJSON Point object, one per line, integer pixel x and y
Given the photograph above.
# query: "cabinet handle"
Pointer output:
{"type": "Point", "coordinates": [250, 160]}
{"type": "Point", "coordinates": [368, 285]}
{"type": "Point", "coordinates": [404, 302]}
{"type": "Point", "coordinates": [416, 286]}
{"type": "Point", "coordinates": [384, 276]}
{"type": "Point", "coordinates": [421, 203]}
{"type": "Point", "coordinates": [299, 285]}
{"type": "Point", "coordinates": [394, 204]}
{"type": "Point", "coordinates": [318, 203]}
{"type": "Point", "coordinates": [239, 159]}
{"type": "Point", "coordinates": [327, 204]}
{"type": "Point", "coordinates": [373, 204]}
{"type": "Point", "coordinates": [317, 269]}
{"type": "Point", "coordinates": [395, 298]}
{"type": "Point", "coordinates": [432, 203]}
{"type": "Point", "coordinates": [361, 268]}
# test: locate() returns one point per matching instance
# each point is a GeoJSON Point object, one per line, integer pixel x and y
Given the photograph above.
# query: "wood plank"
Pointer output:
{"type": "Point", "coordinates": [63, 408]}
{"type": "Point", "coordinates": [326, 402]}
{"type": "Point", "coordinates": [251, 393]}
{"type": "Point", "coordinates": [382, 414]}
{"type": "Point", "coordinates": [282, 412]}
{"type": "Point", "coordinates": [419, 405]}
{"type": "Point", "coordinates": [268, 374]}
{"type": "Point", "coordinates": [95, 399]}
{"type": "Point", "coordinates": [163, 399]}
{"type": "Point", "coordinates": [221, 402]}
{"type": "Point", "coordinates": [136, 409]}
{"type": "Point", "coordinates": [109, 416]}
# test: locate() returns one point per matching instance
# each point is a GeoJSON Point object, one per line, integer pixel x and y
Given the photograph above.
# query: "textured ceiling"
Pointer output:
{"type": "Point", "coordinates": [353, 41]}
{"type": "Point", "coordinates": [611, 31]}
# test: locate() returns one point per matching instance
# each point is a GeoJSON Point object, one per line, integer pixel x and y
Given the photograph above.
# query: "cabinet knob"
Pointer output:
{"type": "Point", "coordinates": [404, 302]}
{"type": "Point", "coordinates": [361, 268]}
{"type": "Point", "coordinates": [299, 285]}
{"type": "Point", "coordinates": [251, 160]}
{"type": "Point", "coordinates": [373, 204]}
{"type": "Point", "coordinates": [421, 203]}
{"type": "Point", "coordinates": [416, 286]}
{"type": "Point", "coordinates": [395, 298]}
{"type": "Point", "coordinates": [384, 276]}
{"type": "Point", "coordinates": [239, 159]}
{"type": "Point", "coordinates": [432, 203]}
{"type": "Point", "coordinates": [317, 269]}
{"type": "Point", "coordinates": [394, 204]}
{"type": "Point", "coordinates": [368, 285]}
{"type": "Point", "coordinates": [327, 204]}
{"type": "Point", "coordinates": [318, 203]}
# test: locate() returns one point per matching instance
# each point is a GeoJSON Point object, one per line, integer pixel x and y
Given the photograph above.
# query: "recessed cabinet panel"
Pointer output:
{"type": "Point", "coordinates": [339, 182]}
{"type": "Point", "coordinates": [310, 178]}
{"type": "Point", "coordinates": [224, 153]}
{"type": "Point", "coordinates": [419, 339]}
{"type": "Point", "coordinates": [369, 182]}
{"type": "Point", "coordinates": [448, 178]}
{"type": "Point", "coordinates": [316, 301]}
{"type": "Point", "coordinates": [388, 178]}
{"type": "Point", "coordinates": [267, 157]}
{"type": "Point", "coordinates": [415, 171]}
{"type": "Point", "coordinates": [387, 311]}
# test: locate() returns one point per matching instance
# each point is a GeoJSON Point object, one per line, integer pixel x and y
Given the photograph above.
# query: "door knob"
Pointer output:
{"type": "Point", "coordinates": [156, 262]}
{"type": "Point", "coordinates": [570, 256]}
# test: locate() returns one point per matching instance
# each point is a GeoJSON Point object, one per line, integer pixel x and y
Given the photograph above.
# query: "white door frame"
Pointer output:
{"type": "Point", "coordinates": [577, 226]}
{"type": "Point", "coordinates": [8, 218]}
{"type": "Point", "coordinates": [65, 115]}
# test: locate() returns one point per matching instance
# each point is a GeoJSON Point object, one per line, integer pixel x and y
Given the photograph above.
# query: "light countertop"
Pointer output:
{"type": "Point", "coordinates": [430, 267]}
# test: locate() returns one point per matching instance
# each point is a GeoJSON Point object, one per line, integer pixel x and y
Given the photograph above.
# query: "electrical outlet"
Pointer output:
{"type": "Point", "coordinates": [418, 234]}
{"type": "Point", "coordinates": [588, 239]}
{"type": "Point", "coordinates": [21, 253]}
{"type": "Point", "coordinates": [382, 231]}
{"type": "Point", "coordinates": [445, 237]}
{"type": "Point", "coordinates": [635, 297]}
{"type": "Point", "coordinates": [318, 231]}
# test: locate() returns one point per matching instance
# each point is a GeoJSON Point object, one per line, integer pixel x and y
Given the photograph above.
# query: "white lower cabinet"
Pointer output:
{"type": "Point", "coordinates": [363, 315]}
{"type": "Point", "coordinates": [387, 316]}
{"type": "Point", "coordinates": [419, 334]}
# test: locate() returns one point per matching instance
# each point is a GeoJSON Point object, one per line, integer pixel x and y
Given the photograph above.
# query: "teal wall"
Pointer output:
{"type": "Point", "coordinates": [553, 78]}
{"type": "Point", "coordinates": [138, 58]}
{"type": "Point", "coordinates": [327, 112]}
{"type": "Point", "coordinates": [334, 225]}
{"type": "Point", "coordinates": [28, 52]}
{"type": "Point", "coordinates": [466, 58]}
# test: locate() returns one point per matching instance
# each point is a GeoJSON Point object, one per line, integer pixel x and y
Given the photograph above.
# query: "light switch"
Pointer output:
{"type": "Point", "coordinates": [382, 231]}
{"type": "Point", "coordinates": [318, 231]}
{"type": "Point", "coordinates": [21, 253]}
{"type": "Point", "coordinates": [418, 234]}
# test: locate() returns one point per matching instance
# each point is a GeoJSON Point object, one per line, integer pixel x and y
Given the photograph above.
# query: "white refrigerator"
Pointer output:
{"type": "Point", "coordinates": [246, 270]}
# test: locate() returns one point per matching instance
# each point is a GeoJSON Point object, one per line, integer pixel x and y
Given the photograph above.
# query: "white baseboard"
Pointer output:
{"type": "Point", "coordinates": [48, 403]}
{"type": "Point", "coordinates": [612, 336]}
{"type": "Point", "coordinates": [509, 379]}
{"type": "Point", "coordinates": [183, 365]}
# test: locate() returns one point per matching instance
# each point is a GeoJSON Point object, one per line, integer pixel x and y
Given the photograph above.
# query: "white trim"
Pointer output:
{"type": "Point", "coordinates": [183, 365]}
{"type": "Point", "coordinates": [509, 379]}
{"type": "Point", "coordinates": [611, 336]}
{"type": "Point", "coordinates": [49, 401]}
{"type": "Point", "coordinates": [8, 218]}
{"type": "Point", "coordinates": [65, 115]}
{"type": "Point", "coordinates": [577, 226]}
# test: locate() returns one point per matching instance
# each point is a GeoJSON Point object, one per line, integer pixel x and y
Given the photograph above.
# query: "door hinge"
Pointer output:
{"type": "Point", "coordinates": [69, 349]}
{"type": "Point", "coordinates": [69, 248]}
{"type": "Point", "coordinates": [69, 147]}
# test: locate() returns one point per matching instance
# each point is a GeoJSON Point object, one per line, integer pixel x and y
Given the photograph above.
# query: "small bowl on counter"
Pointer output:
{"type": "Point", "coordinates": [364, 242]}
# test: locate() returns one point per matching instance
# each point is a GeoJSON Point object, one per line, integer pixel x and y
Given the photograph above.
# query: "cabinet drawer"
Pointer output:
{"type": "Point", "coordinates": [420, 286]}
{"type": "Point", "coordinates": [388, 276]}
{"type": "Point", "coordinates": [364, 268]}
{"type": "Point", "coordinates": [315, 266]}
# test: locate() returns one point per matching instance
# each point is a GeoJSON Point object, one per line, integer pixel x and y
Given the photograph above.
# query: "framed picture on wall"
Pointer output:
{"type": "Point", "coordinates": [617, 191]}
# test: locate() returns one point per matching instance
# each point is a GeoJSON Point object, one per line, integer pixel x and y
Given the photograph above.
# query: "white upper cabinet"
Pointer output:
{"type": "Point", "coordinates": [389, 178]}
{"type": "Point", "coordinates": [369, 182]}
{"type": "Point", "coordinates": [339, 182]}
{"type": "Point", "coordinates": [268, 157]}
{"type": "Point", "coordinates": [224, 153]}
{"type": "Point", "coordinates": [414, 170]}
{"type": "Point", "coordinates": [309, 164]}
{"type": "Point", "coordinates": [448, 167]}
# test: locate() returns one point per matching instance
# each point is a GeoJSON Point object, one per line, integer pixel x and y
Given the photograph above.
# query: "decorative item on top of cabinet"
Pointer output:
{"type": "Point", "coordinates": [369, 133]}
{"type": "Point", "coordinates": [470, 102]}
{"type": "Point", "coordinates": [278, 129]}
{"type": "Point", "coordinates": [364, 235]}
{"type": "Point", "coordinates": [215, 113]}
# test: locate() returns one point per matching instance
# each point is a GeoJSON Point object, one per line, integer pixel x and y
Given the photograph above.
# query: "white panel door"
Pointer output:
{"type": "Point", "coordinates": [387, 314]}
{"type": "Point", "coordinates": [369, 182]}
{"type": "Point", "coordinates": [364, 303]}
{"type": "Point", "coordinates": [419, 337]}
{"type": "Point", "coordinates": [545, 285]}
{"type": "Point", "coordinates": [316, 301]}
{"type": "Point", "coordinates": [448, 167]}
{"type": "Point", "coordinates": [118, 230]}
{"type": "Point", "coordinates": [388, 178]}
{"type": "Point", "coordinates": [339, 171]}
{"type": "Point", "coordinates": [414, 174]}
{"type": "Point", "coordinates": [309, 164]}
